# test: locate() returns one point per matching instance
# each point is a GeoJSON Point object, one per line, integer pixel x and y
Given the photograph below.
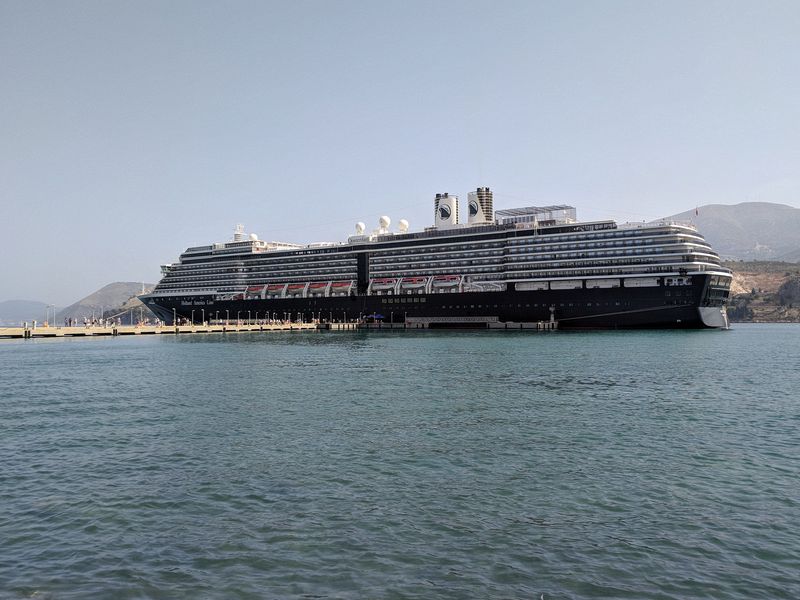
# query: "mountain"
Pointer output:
{"type": "Point", "coordinates": [132, 311]}
{"type": "Point", "coordinates": [111, 296]}
{"type": "Point", "coordinates": [750, 230]}
{"type": "Point", "coordinates": [14, 312]}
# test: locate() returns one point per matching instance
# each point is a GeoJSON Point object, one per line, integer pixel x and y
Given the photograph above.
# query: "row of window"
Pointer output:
{"type": "Point", "coordinates": [515, 245]}
{"type": "Point", "coordinates": [312, 273]}
{"type": "Point", "coordinates": [382, 264]}
{"type": "Point", "coordinates": [661, 239]}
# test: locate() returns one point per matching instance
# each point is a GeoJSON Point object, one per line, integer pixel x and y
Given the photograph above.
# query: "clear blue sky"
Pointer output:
{"type": "Point", "coordinates": [131, 130]}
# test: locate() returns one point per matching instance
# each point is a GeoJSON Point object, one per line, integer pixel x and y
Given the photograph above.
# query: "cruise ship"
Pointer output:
{"type": "Point", "coordinates": [522, 265]}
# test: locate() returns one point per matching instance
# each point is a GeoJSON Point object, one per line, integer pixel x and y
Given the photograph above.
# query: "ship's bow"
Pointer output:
{"type": "Point", "coordinates": [714, 316]}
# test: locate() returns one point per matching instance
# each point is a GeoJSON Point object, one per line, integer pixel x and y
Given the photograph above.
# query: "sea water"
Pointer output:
{"type": "Point", "coordinates": [661, 464]}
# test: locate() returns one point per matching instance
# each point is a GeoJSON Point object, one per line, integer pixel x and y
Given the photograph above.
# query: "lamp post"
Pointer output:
{"type": "Point", "coordinates": [227, 317]}
{"type": "Point", "coordinates": [174, 317]}
{"type": "Point", "coordinates": [192, 316]}
{"type": "Point", "coordinates": [249, 322]}
{"type": "Point", "coordinates": [204, 315]}
{"type": "Point", "coordinates": [237, 317]}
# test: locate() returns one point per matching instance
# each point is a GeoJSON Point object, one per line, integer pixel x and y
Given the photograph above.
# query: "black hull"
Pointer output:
{"type": "Point", "coordinates": [610, 308]}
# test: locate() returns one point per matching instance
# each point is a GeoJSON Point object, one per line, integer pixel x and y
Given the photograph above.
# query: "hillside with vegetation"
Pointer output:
{"type": "Point", "coordinates": [764, 292]}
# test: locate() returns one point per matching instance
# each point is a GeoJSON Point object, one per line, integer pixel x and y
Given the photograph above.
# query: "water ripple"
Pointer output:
{"type": "Point", "coordinates": [429, 465]}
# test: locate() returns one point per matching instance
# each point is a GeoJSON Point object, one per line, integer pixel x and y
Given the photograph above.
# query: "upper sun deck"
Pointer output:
{"type": "Point", "coordinates": [547, 221]}
{"type": "Point", "coordinates": [659, 224]}
{"type": "Point", "coordinates": [238, 247]}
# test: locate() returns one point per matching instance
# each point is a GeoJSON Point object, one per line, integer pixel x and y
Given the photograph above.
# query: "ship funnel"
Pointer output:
{"type": "Point", "coordinates": [445, 208]}
{"type": "Point", "coordinates": [481, 211]}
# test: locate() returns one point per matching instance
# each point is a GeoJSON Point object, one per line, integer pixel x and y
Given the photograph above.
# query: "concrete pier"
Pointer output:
{"type": "Point", "coordinates": [114, 330]}
{"type": "Point", "coordinates": [339, 326]}
{"type": "Point", "coordinates": [56, 332]}
{"type": "Point", "coordinates": [537, 325]}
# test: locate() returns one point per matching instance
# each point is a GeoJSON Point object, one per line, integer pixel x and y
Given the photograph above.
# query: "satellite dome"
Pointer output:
{"type": "Point", "coordinates": [360, 227]}
{"type": "Point", "coordinates": [402, 225]}
{"type": "Point", "coordinates": [384, 222]}
{"type": "Point", "coordinates": [253, 237]}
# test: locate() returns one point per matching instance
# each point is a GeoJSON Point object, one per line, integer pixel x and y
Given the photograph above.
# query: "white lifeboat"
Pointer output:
{"type": "Point", "coordinates": [445, 281]}
{"type": "Point", "coordinates": [413, 283]}
{"type": "Point", "coordinates": [295, 288]}
{"type": "Point", "coordinates": [383, 284]}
